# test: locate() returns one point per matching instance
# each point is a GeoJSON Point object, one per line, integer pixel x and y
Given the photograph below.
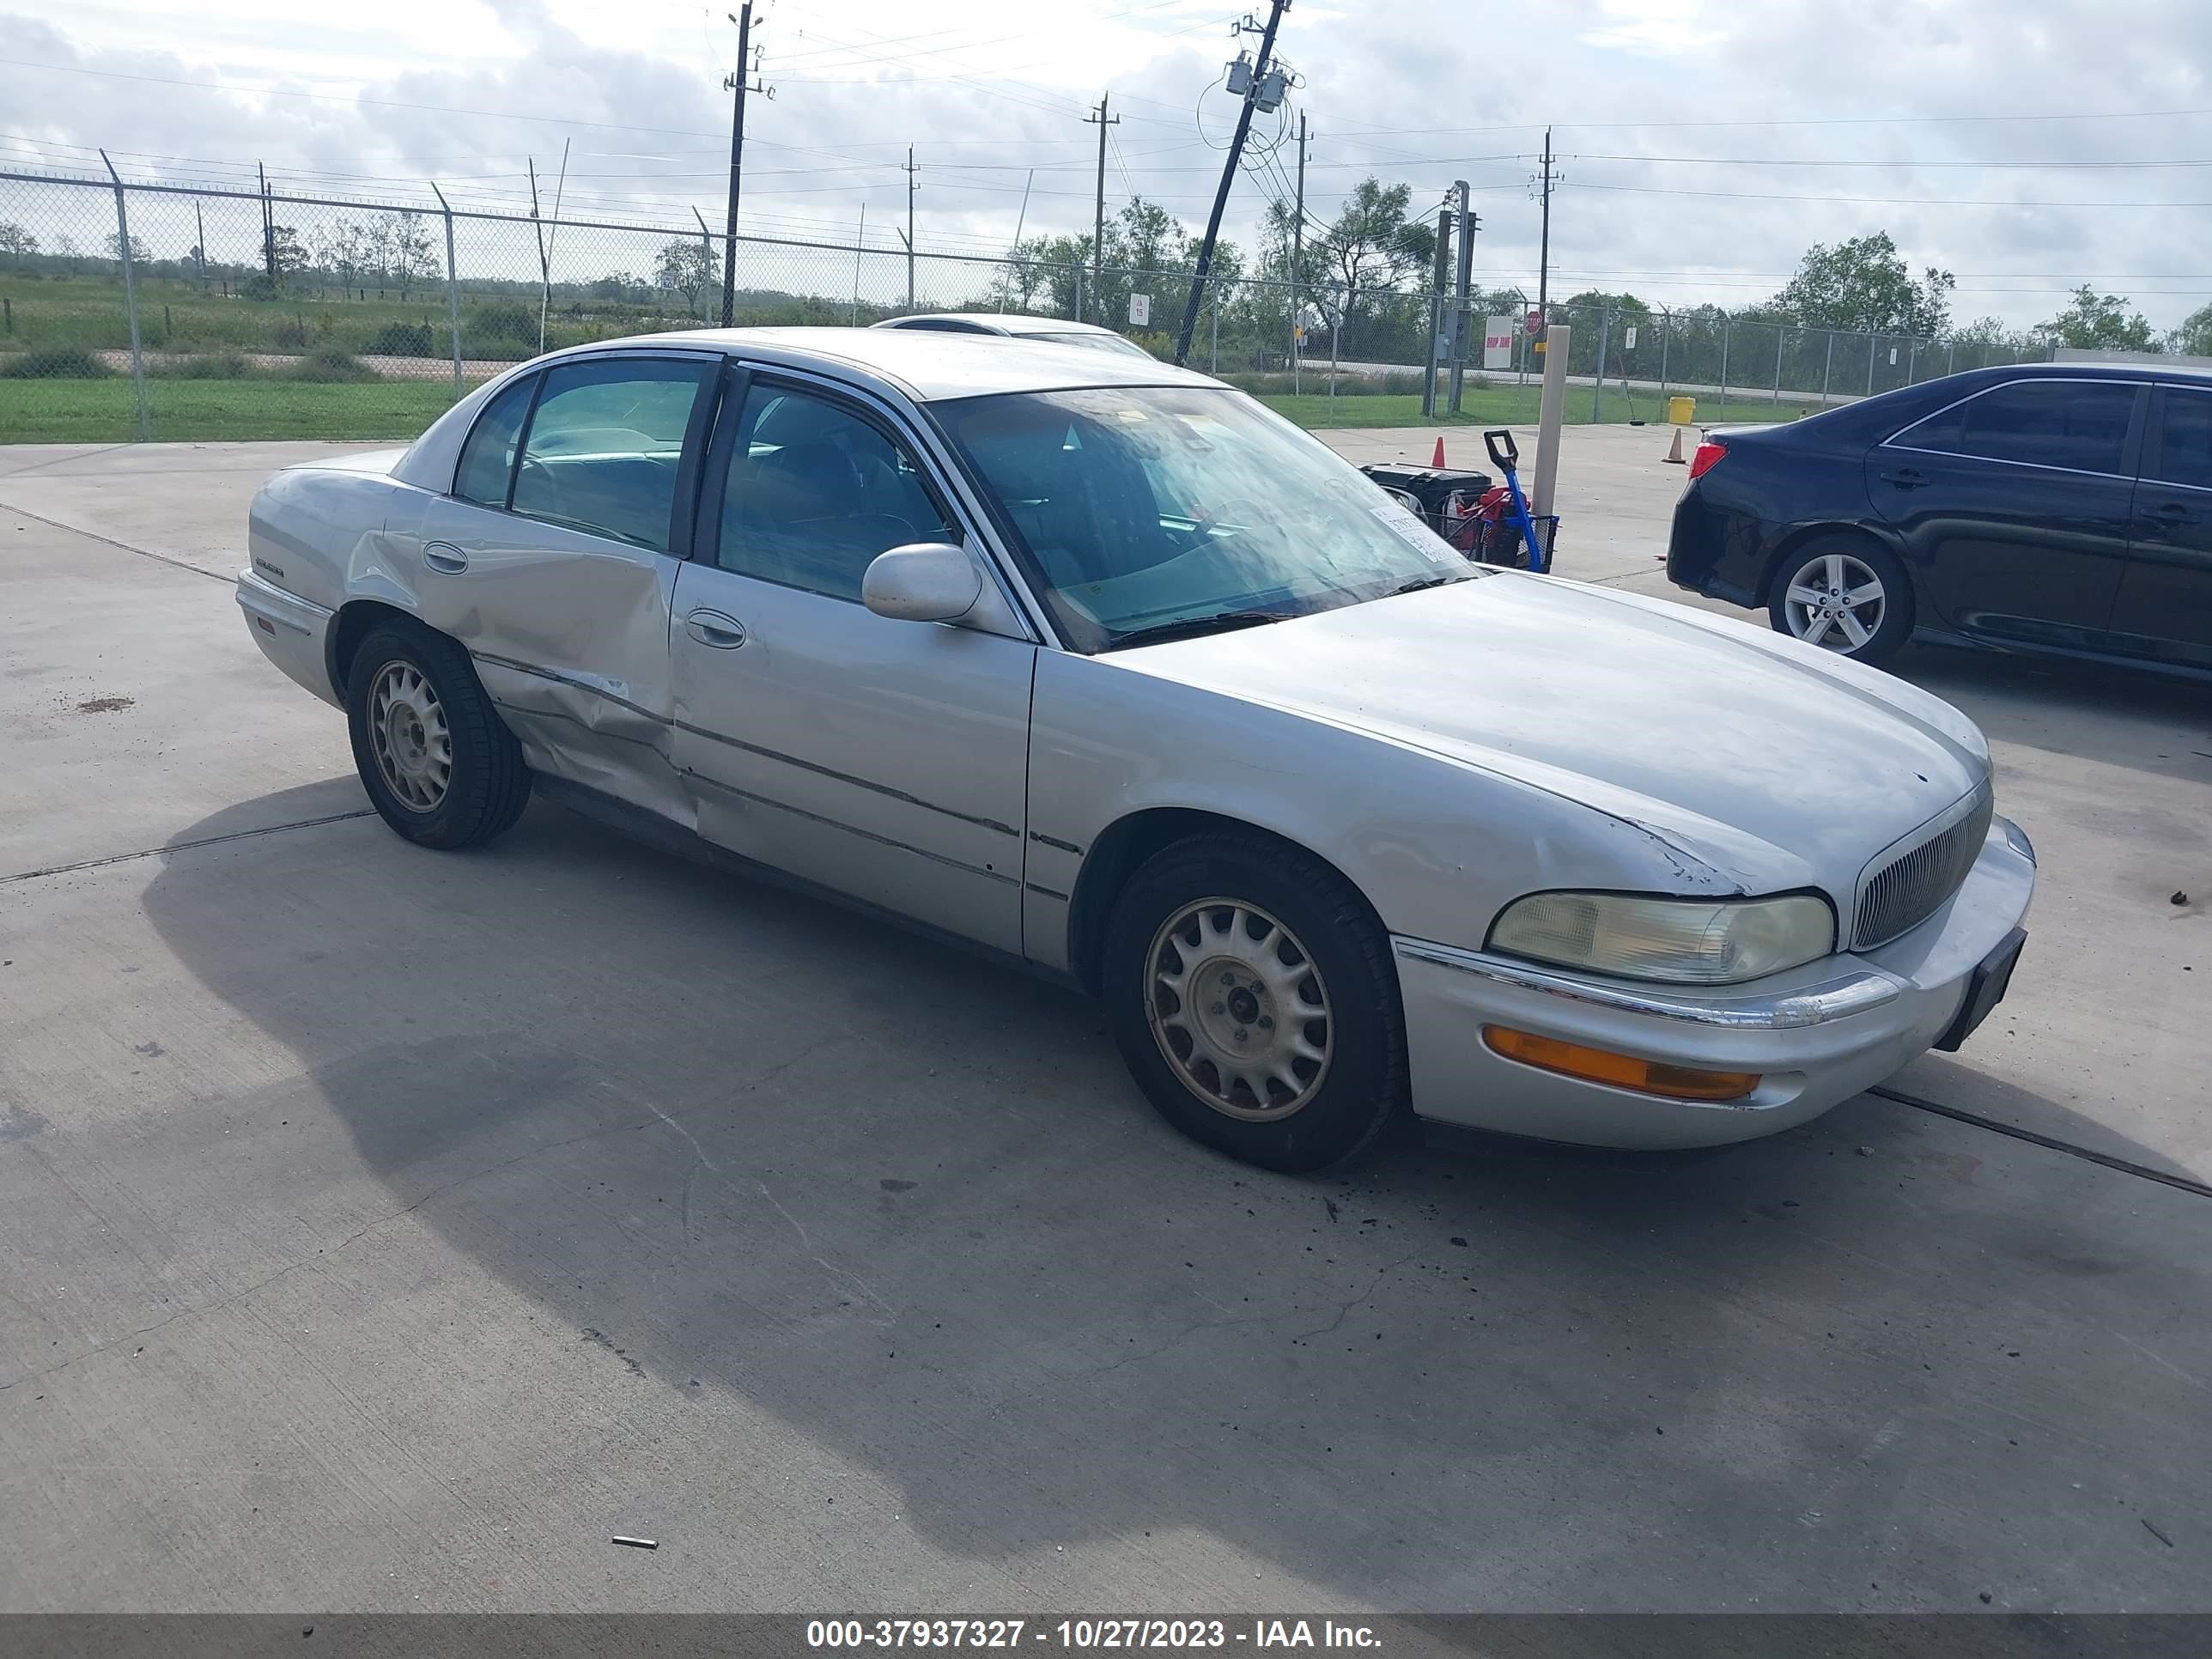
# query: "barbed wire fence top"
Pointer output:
{"type": "Point", "coordinates": [242, 314]}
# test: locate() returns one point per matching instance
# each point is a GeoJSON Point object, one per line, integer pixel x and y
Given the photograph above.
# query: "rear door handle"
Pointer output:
{"type": "Point", "coordinates": [712, 629]}
{"type": "Point", "coordinates": [1904, 477]}
{"type": "Point", "coordinates": [444, 555]}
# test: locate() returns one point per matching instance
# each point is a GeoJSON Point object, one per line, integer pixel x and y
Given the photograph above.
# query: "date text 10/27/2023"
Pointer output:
{"type": "Point", "coordinates": [1086, 1634]}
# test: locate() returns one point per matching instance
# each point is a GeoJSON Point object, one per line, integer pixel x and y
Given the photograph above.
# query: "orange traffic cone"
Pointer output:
{"type": "Point", "coordinates": [1436, 462]}
{"type": "Point", "coordinates": [1675, 454]}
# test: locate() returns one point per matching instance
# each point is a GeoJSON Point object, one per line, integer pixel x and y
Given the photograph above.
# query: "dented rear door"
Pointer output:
{"type": "Point", "coordinates": [561, 589]}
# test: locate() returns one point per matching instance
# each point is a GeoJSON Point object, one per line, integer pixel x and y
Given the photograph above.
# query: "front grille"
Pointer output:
{"type": "Point", "coordinates": [1907, 890]}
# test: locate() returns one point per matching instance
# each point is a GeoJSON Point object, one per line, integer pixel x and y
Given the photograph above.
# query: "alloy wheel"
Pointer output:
{"type": "Point", "coordinates": [407, 732]}
{"type": "Point", "coordinates": [1835, 601]}
{"type": "Point", "coordinates": [1238, 1008]}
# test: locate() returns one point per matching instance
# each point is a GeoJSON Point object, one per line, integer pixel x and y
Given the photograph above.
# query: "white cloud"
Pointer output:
{"type": "Point", "coordinates": [1673, 188]}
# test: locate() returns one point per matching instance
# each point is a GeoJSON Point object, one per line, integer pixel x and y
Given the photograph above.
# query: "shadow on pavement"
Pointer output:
{"type": "Point", "coordinates": [2156, 722]}
{"type": "Point", "coordinates": [907, 1203]}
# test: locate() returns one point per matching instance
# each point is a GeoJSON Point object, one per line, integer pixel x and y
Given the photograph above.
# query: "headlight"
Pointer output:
{"type": "Point", "coordinates": [1691, 941]}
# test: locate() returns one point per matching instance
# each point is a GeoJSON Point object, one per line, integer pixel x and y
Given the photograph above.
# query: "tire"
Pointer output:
{"type": "Point", "coordinates": [440, 765]}
{"type": "Point", "coordinates": [1833, 567]}
{"type": "Point", "coordinates": [1254, 908]}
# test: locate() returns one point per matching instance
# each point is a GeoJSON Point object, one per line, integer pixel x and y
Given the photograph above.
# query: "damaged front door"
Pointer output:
{"type": "Point", "coordinates": [554, 561]}
{"type": "Point", "coordinates": [886, 760]}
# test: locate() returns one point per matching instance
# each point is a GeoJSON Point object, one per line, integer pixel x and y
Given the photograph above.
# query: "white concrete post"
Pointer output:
{"type": "Point", "coordinates": [1552, 410]}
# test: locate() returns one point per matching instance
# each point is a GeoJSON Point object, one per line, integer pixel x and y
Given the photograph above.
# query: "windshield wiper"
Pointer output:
{"type": "Point", "coordinates": [1190, 626]}
{"type": "Point", "coordinates": [1420, 582]}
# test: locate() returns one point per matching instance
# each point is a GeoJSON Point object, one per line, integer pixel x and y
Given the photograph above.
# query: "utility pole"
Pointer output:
{"type": "Point", "coordinates": [1298, 251]}
{"type": "Point", "coordinates": [1276, 9]}
{"type": "Point", "coordinates": [199, 249]}
{"type": "Point", "coordinates": [911, 187]}
{"type": "Point", "coordinates": [1099, 119]}
{"type": "Point", "coordinates": [1438, 278]}
{"type": "Point", "coordinates": [268, 229]}
{"type": "Point", "coordinates": [736, 84]}
{"type": "Point", "coordinates": [1469, 224]}
{"type": "Point", "coordinates": [1543, 256]}
{"type": "Point", "coordinates": [544, 266]}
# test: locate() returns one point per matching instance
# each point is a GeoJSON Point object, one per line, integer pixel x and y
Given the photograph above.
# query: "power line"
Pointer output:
{"type": "Point", "coordinates": [1883, 201]}
{"type": "Point", "coordinates": [1802, 121]}
{"type": "Point", "coordinates": [351, 98]}
{"type": "Point", "coordinates": [1783, 161]}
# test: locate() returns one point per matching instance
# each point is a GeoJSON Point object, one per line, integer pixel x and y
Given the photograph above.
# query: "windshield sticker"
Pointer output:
{"type": "Point", "coordinates": [1410, 528]}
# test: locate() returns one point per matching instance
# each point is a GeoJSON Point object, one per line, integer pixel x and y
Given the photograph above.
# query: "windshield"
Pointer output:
{"type": "Point", "coordinates": [1114, 343]}
{"type": "Point", "coordinates": [1140, 507]}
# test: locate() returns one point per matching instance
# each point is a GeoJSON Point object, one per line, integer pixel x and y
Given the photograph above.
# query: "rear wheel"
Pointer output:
{"type": "Point", "coordinates": [1845, 595]}
{"type": "Point", "coordinates": [1251, 992]}
{"type": "Point", "coordinates": [440, 765]}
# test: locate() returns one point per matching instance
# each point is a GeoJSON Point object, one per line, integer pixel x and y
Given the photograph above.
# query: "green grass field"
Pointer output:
{"type": "Point", "coordinates": [1513, 406]}
{"type": "Point", "coordinates": [104, 411]}
{"type": "Point", "coordinates": [186, 411]}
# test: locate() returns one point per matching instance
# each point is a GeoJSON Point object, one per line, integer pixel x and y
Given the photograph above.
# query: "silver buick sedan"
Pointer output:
{"type": "Point", "coordinates": [1101, 667]}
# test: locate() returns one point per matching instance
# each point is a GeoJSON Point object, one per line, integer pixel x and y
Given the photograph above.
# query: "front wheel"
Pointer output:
{"type": "Point", "coordinates": [1845, 595]}
{"type": "Point", "coordinates": [440, 765]}
{"type": "Point", "coordinates": [1251, 992]}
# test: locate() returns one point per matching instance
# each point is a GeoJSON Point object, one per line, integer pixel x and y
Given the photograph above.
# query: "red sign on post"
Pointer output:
{"type": "Point", "coordinates": [1535, 323]}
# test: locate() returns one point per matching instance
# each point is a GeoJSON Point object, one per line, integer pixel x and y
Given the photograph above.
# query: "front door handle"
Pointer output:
{"type": "Point", "coordinates": [444, 555]}
{"type": "Point", "coordinates": [2172, 513]}
{"type": "Point", "coordinates": [1904, 477]}
{"type": "Point", "coordinates": [712, 629]}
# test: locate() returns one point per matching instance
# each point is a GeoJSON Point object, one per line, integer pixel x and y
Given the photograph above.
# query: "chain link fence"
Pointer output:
{"type": "Point", "coordinates": [1748, 367]}
{"type": "Point", "coordinates": [137, 310]}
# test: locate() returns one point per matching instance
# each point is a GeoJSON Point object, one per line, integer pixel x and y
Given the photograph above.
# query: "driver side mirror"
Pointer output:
{"type": "Point", "coordinates": [924, 581]}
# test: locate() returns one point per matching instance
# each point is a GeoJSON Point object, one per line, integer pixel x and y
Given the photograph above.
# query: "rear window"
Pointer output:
{"type": "Point", "coordinates": [488, 457]}
{"type": "Point", "coordinates": [2077, 425]}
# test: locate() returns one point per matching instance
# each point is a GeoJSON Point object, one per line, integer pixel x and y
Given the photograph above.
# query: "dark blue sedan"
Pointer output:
{"type": "Point", "coordinates": [2046, 506]}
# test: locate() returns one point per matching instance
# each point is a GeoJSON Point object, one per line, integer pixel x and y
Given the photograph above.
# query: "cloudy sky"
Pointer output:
{"type": "Point", "coordinates": [2028, 145]}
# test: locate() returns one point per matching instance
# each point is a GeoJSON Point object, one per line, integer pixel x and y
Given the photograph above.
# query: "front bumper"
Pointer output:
{"type": "Point", "coordinates": [1816, 1036]}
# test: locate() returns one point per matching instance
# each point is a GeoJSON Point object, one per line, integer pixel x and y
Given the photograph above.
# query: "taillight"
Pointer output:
{"type": "Point", "coordinates": [1707, 458]}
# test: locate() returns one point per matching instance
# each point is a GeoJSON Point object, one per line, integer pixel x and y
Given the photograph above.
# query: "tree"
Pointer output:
{"type": "Point", "coordinates": [1054, 269]}
{"type": "Point", "coordinates": [285, 253]}
{"type": "Point", "coordinates": [1592, 303]}
{"type": "Point", "coordinates": [1370, 247]}
{"type": "Point", "coordinates": [346, 249]}
{"type": "Point", "coordinates": [1152, 238]}
{"type": "Point", "coordinates": [689, 269]}
{"type": "Point", "coordinates": [2193, 337]}
{"type": "Point", "coordinates": [1863, 283]}
{"type": "Point", "coordinates": [2099, 322]}
{"type": "Point", "coordinates": [413, 259]}
{"type": "Point", "coordinates": [1986, 340]}
{"type": "Point", "coordinates": [114, 246]}
{"type": "Point", "coordinates": [17, 244]}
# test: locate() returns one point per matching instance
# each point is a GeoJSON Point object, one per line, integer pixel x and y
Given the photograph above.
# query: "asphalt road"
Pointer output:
{"type": "Point", "coordinates": [386, 1229]}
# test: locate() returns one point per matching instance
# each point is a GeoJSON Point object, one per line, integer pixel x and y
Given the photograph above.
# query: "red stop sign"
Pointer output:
{"type": "Point", "coordinates": [1535, 323]}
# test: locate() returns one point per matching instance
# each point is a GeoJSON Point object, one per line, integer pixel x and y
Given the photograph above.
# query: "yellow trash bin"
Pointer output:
{"type": "Point", "coordinates": [1682, 411]}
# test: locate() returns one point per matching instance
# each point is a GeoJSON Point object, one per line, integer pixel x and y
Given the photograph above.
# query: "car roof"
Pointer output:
{"type": "Point", "coordinates": [2068, 368]}
{"type": "Point", "coordinates": [928, 365]}
{"type": "Point", "coordinates": [995, 322]}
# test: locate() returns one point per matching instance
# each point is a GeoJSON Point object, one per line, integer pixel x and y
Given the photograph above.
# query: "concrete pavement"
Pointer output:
{"type": "Point", "coordinates": [385, 1229]}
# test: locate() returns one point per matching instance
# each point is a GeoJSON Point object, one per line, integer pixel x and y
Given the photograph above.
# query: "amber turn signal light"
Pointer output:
{"type": "Point", "coordinates": [1649, 1077]}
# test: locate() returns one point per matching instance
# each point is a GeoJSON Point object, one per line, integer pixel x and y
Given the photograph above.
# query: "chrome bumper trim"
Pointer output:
{"type": "Point", "coordinates": [255, 594]}
{"type": "Point", "coordinates": [1812, 1004]}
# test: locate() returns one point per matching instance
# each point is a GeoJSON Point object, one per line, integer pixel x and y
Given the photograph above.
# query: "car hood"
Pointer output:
{"type": "Point", "coordinates": [1770, 763]}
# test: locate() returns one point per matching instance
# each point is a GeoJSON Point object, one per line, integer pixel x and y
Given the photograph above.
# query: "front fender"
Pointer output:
{"type": "Point", "coordinates": [1436, 847]}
